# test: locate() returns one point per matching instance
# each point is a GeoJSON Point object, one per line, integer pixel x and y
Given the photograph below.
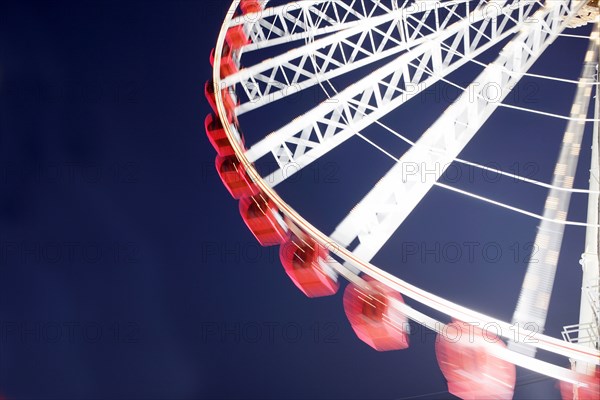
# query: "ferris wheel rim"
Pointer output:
{"type": "Point", "coordinates": [423, 297]}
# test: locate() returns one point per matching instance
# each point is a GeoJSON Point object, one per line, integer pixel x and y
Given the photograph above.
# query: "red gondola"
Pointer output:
{"type": "Point", "coordinates": [591, 392]}
{"type": "Point", "coordinates": [228, 65]}
{"type": "Point", "coordinates": [235, 178]}
{"type": "Point", "coordinates": [304, 261]}
{"type": "Point", "coordinates": [216, 136]}
{"type": "Point", "coordinates": [372, 317]}
{"type": "Point", "coordinates": [471, 371]}
{"type": "Point", "coordinates": [262, 218]}
{"type": "Point", "coordinates": [228, 100]}
{"type": "Point", "coordinates": [236, 37]}
{"type": "Point", "coordinates": [251, 6]}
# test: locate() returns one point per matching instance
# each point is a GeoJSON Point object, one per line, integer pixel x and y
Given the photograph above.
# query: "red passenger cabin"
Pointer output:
{"type": "Point", "coordinates": [471, 371]}
{"type": "Point", "coordinates": [217, 137]}
{"type": "Point", "coordinates": [251, 6]}
{"type": "Point", "coordinates": [235, 178]}
{"type": "Point", "coordinates": [262, 218]}
{"type": "Point", "coordinates": [374, 318]}
{"type": "Point", "coordinates": [229, 100]}
{"type": "Point", "coordinates": [228, 64]}
{"type": "Point", "coordinates": [569, 391]}
{"type": "Point", "coordinates": [236, 37]}
{"type": "Point", "coordinates": [304, 260]}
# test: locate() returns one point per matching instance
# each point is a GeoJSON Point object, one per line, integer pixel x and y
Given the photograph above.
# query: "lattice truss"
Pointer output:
{"type": "Point", "coordinates": [581, 333]}
{"type": "Point", "coordinates": [334, 121]}
{"type": "Point", "coordinates": [302, 19]}
{"type": "Point", "coordinates": [377, 36]}
{"type": "Point", "coordinates": [382, 32]}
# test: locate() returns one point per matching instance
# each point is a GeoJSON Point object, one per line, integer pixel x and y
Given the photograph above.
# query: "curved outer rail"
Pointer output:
{"type": "Point", "coordinates": [438, 303]}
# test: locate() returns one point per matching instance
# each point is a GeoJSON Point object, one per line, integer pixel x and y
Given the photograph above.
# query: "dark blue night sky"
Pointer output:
{"type": "Point", "coordinates": [127, 272]}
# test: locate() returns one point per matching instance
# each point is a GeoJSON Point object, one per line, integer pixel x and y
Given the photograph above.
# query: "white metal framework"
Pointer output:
{"type": "Point", "coordinates": [362, 44]}
{"type": "Point", "coordinates": [382, 211]}
{"type": "Point", "coordinates": [299, 20]}
{"type": "Point", "coordinates": [317, 132]}
{"type": "Point", "coordinates": [419, 43]}
{"type": "Point", "coordinates": [537, 287]}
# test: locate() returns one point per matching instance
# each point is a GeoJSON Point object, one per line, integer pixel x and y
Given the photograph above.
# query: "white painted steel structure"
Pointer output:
{"type": "Point", "coordinates": [421, 43]}
{"type": "Point", "coordinates": [536, 292]}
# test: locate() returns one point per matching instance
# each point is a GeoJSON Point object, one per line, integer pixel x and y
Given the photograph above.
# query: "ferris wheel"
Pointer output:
{"type": "Point", "coordinates": [362, 62]}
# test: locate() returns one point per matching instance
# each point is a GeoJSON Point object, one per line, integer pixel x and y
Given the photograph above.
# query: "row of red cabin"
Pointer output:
{"type": "Point", "coordinates": [300, 257]}
{"type": "Point", "coordinates": [235, 38]}
{"type": "Point", "coordinates": [369, 310]}
{"type": "Point", "coordinates": [471, 372]}
{"type": "Point", "coordinates": [304, 260]}
{"type": "Point", "coordinates": [231, 171]}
